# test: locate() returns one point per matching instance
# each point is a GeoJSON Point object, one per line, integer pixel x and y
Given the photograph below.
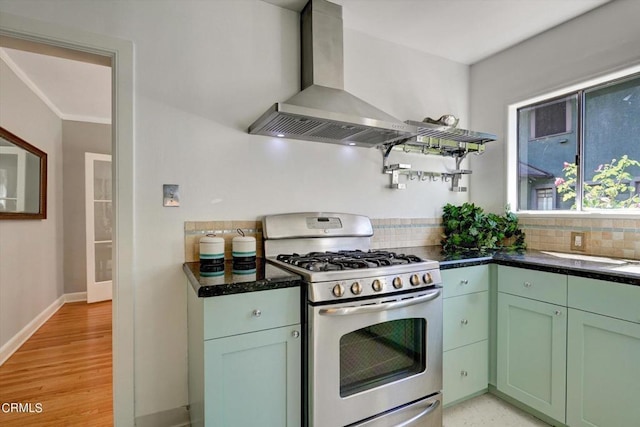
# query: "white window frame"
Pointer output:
{"type": "Point", "coordinates": [512, 149]}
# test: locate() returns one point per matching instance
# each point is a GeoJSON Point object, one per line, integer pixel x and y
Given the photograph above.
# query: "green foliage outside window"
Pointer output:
{"type": "Point", "coordinates": [609, 189]}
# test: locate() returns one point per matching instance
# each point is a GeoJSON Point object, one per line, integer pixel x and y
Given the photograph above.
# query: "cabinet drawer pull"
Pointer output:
{"type": "Point", "coordinates": [256, 313]}
{"type": "Point", "coordinates": [464, 321]}
{"type": "Point", "coordinates": [295, 334]}
{"type": "Point", "coordinates": [558, 313]}
{"type": "Point", "coordinates": [464, 373]}
{"type": "Point", "coordinates": [527, 284]}
{"type": "Point", "coordinates": [464, 282]}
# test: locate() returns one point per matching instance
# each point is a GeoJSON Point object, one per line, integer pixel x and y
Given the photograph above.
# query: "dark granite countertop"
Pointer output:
{"type": "Point", "coordinates": [266, 277]}
{"type": "Point", "coordinates": [537, 260]}
{"type": "Point", "coordinates": [534, 260]}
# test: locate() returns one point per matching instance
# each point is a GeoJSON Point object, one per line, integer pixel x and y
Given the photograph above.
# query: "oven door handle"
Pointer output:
{"type": "Point", "coordinates": [344, 311]}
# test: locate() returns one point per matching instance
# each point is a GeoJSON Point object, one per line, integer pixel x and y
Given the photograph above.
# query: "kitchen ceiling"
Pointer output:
{"type": "Point", "coordinates": [464, 31]}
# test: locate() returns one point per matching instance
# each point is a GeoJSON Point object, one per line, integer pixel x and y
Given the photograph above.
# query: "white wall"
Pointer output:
{"type": "Point", "coordinates": [604, 40]}
{"type": "Point", "coordinates": [30, 250]}
{"type": "Point", "coordinates": [205, 70]}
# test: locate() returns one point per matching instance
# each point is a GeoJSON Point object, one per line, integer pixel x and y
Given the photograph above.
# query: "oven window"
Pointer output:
{"type": "Point", "coordinates": [382, 354]}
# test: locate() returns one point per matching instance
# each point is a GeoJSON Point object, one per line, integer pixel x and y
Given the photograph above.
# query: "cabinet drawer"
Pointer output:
{"type": "Point", "coordinates": [252, 311]}
{"type": "Point", "coordinates": [465, 320]}
{"type": "Point", "coordinates": [538, 285]}
{"type": "Point", "coordinates": [465, 371]}
{"type": "Point", "coordinates": [608, 298]}
{"type": "Point", "coordinates": [460, 281]}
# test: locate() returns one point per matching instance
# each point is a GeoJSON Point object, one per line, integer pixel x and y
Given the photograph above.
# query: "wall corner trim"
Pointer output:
{"type": "Point", "coordinates": [25, 333]}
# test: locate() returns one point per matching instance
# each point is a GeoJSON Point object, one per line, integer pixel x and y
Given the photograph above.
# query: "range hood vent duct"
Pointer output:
{"type": "Point", "coordinates": [323, 111]}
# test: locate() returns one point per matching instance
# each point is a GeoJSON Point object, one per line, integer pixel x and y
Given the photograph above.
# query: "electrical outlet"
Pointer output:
{"type": "Point", "coordinates": [578, 241]}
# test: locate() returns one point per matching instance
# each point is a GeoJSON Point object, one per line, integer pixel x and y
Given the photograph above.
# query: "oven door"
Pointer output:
{"type": "Point", "coordinates": [371, 356]}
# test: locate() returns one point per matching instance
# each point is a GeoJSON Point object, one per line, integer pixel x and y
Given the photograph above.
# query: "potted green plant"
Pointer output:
{"type": "Point", "coordinates": [468, 228]}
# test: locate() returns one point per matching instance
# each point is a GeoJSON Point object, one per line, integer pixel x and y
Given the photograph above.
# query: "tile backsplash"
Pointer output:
{"type": "Point", "coordinates": [195, 230]}
{"type": "Point", "coordinates": [605, 237]}
{"type": "Point", "coordinates": [406, 232]}
{"type": "Point", "coordinates": [387, 233]}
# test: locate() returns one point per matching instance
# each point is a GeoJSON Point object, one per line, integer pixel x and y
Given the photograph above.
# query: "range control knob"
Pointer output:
{"type": "Point", "coordinates": [338, 290]}
{"type": "Point", "coordinates": [356, 288]}
{"type": "Point", "coordinates": [397, 282]}
{"type": "Point", "coordinates": [427, 278]}
{"type": "Point", "coordinates": [376, 285]}
{"type": "Point", "coordinates": [415, 280]}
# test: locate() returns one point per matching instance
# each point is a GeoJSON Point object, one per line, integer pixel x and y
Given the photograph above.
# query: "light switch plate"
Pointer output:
{"type": "Point", "coordinates": [171, 195]}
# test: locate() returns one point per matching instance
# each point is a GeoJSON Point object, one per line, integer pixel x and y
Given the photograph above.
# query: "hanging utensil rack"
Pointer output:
{"type": "Point", "coordinates": [437, 140]}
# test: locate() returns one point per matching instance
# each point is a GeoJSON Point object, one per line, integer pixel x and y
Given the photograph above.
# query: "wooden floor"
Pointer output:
{"type": "Point", "coordinates": [66, 368]}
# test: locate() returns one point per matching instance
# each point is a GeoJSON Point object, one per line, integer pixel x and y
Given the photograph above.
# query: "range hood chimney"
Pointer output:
{"type": "Point", "coordinates": [323, 111]}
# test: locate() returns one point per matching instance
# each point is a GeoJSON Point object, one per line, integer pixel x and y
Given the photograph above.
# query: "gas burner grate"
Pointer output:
{"type": "Point", "coordinates": [347, 260]}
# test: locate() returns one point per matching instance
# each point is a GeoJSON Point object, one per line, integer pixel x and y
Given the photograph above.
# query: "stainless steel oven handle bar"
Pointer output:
{"type": "Point", "coordinates": [424, 413]}
{"type": "Point", "coordinates": [345, 311]}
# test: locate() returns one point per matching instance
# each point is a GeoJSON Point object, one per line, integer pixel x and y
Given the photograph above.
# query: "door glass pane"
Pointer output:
{"type": "Point", "coordinates": [547, 147]}
{"type": "Point", "coordinates": [381, 354]}
{"type": "Point", "coordinates": [103, 262]}
{"type": "Point", "coordinates": [8, 176]}
{"type": "Point", "coordinates": [612, 146]}
{"type": "Point", "coordinates": [7, 205]}
{"type": "Point", "coordinates": [102, 180]}
{"type": "Point", "coordinates": [102, 220]}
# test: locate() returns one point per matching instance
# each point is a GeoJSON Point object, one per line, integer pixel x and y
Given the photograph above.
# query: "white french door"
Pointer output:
{"type": "Point", "coordinates": [99, 219]}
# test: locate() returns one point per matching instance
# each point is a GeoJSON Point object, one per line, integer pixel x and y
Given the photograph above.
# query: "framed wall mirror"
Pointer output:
{"type": "Point", "coordinates": [23, 178]}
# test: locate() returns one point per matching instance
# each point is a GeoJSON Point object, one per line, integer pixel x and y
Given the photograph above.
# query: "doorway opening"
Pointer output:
{"type": "Point", "coordinates": [61, 41]}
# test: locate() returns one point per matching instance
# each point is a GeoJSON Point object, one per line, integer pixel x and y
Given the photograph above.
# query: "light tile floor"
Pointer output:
{"type": "Point", "coordinates": [488, 411]}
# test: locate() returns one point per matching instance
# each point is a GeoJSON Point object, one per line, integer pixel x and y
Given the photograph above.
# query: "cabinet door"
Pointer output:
{"type": "Point", "coordinates": [603, 377]}
{"type": "Point", "coordinates": [465, 371]}
{"type": "Point", "coordinates": [532, 353]}
{"type": "Point", "coordinates": [254, 379]}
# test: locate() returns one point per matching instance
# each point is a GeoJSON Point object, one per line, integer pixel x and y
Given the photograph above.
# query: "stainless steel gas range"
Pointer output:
{"type": "Point", "coordinates": [373, 339]}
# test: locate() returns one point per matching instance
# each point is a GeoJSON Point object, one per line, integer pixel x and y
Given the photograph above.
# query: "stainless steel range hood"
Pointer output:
{"type": "Point", "coordinates": [324, 111]}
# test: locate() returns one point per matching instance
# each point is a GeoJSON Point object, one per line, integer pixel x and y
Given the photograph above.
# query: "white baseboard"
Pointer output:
{"type": "Point", "coordinates": [75, 297]}
{"type": "Point", "coordinates": [176, 417]}
{"type": "Point", "coordinates": [21, 337]}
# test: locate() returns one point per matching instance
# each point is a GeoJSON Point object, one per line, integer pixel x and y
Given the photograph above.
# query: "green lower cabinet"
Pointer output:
{"type": "Point", "coordinates": [253, 379]}
{"type": "Point", "coordinates": [603, 376]}
{"type": "Point", "coordinates": [465, 371]}
{"type": "Point", "coordinates": [531, 353]}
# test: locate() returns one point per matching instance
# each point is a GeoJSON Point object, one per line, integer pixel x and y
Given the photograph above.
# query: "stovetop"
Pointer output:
{"type": "Point", "coordinates": [322, 247]}
{"type": "Point", "coordinates": [347, 260]}
{"type": "Point", "coordinates": [337, 275]}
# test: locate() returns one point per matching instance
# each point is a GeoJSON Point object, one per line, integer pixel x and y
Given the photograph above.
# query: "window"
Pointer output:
{"type": "Point", "coordinates": [544, 199]}
{"type": "Point", "coordinates": [581, 151]}
{"type": "Point", "coordinates": [551, 119]}
{"type": "Point", "coordinates": [381, 354]}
